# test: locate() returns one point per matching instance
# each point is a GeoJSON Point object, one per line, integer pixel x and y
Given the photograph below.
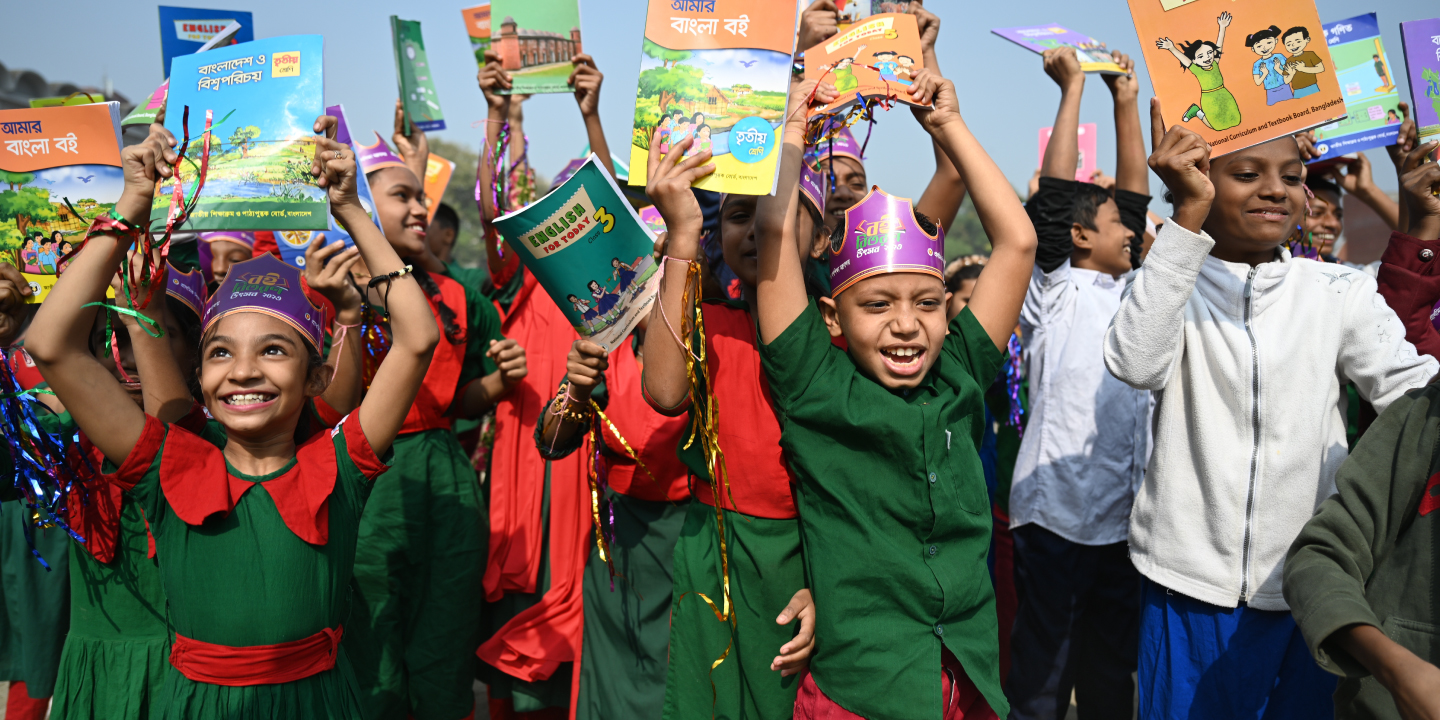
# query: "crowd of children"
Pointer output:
{"type": "Point", "coordinates": [1116, 457]}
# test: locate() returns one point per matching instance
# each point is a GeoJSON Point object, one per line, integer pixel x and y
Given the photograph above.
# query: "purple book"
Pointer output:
{"type": "Point", "coordinates": [1421, 41]}
{"type": "Point", "coordinates": [1093, 55]}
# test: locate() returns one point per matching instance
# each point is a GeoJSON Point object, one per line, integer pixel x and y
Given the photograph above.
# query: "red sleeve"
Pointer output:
{"type": "Point", "coordinates": [195, 420]}
{"type": "Point", "coordinates": [265, 242]}
{"type": "Point", "coordinates": [503, 274]}
{"type": "Point", "coordinates": [364, 457]}
{"type": "Point", "coordinates": [1409, 280]}
{"type": "Point", "coordinates": [142, 456]}
{"type": "Point", "coordinates": [327, 414]}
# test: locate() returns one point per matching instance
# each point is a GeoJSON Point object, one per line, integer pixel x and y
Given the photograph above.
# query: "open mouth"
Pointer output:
{"type": "Point", "coordinates": [903, 359]}
{"type": "Point", "coordinates": [248, 401]}
{"type": "Point", "coordinates": [1271, 214]}
{"type": "Point", "coordinates": [416, 228]}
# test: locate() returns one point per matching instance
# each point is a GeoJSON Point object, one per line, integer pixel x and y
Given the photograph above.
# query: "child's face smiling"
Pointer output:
{"type": "Point", "coordinates": [398, 202]}
{"type": "Point", "coordinates": [1296, 43]}
{"type": "Point", "coordinates": [737, 237]}
{"type": "Point", "coordinates": [254, 374]}
{"type": "Point", "coordinates": [1205, 56]}
{"type": "Point", "coordinates": [1259, 198]}
{"type": "Point", "coordinates": [850, 186]}
{"type": "Point", "coordinates": [1264, 47]}
{"type": "Point", "coordinates": [894, 325]}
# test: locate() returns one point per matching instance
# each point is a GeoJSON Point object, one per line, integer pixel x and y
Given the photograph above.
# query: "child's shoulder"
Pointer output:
{"type": "Point", "coordinates": [1334, 278]}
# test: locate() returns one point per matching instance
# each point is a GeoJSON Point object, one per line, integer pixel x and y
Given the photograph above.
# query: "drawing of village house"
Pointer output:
{"type": "Point", "coordinates": [521, 48]}
{"type": "Point", "coordinates": [714, 102]}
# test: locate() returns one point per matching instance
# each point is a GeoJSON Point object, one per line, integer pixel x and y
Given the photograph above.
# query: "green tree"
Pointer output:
{"type": "Point", "coordinates": [242, 137]}
{"type": "Point", "coordinates": [665, 55]}
{"type": "Point", "coordinates": [26, 207]}
{"type": "Point", "coordinates": [681, 82]}
{"type": "Point", "coordinates": [966, 236]}
{"type": "Point", "coordinates": [16, 179]}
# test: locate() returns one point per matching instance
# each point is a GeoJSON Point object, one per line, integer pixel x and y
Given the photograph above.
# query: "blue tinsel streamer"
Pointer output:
{"type": "Point", "coordinates": [1012, 385]}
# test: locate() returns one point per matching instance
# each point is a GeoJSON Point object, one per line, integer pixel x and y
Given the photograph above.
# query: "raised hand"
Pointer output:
{"type": "Point", "coordinates": [327, 270]}
{"type": "Point", "coordinates": [818, 23]}
{"type": "Point", "coordinates": [1165, 44]}
{"type": "Point", "coordinates": [807, 94]}
{"type": "Point", "coordinates": [1224, 20]}
{"type": "Point", "coordinates": [492, 79]}
{"type": "Point", "coordinates": [586, 79]}
{"type": "Point", "coordinates": [13, 291]}
{"type": "Point", "coordinates": [929, 87]}
{"type": "Point", "coordinates": [1182, 160]}
{"type": "Point", "coordinates": [509, 359]}
{"type": "Point", "coordinates": [1357, 177]}
{"type": "Point", "coordinates": [411, 146]}
{"type": "Point", "coordinates": [1127, 86]}
{"type": "Point", "coordinates": [1063, 66]}
{"type": "Point", "coordinates": [334, 168]}
{"type": "Point", "coordinates": [929, 29]}
{"type": "Point", "coordinates": [142, 166]}
{"type": "Point", "coordinates": [1407, 138]}
{"type": "Point", "coordinates": [585, 367]}
{"type": "Point", "coordinates": [1306, 141]}
{"type": "Point", "coordinates": [1419, 185]}
{"type": "Point", "coordinates": [668, 184]}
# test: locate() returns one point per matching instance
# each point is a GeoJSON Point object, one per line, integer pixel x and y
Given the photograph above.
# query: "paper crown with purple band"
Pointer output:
{"type": "Point", "coordinates": [235, 236]}
{"type": "Point", "coordinates": [188, 288]}
{"type": "Point", "coordinates": [267, 285]}
{"type": "Point", "coordinates": [842, 145]}
{"type": "Point", "coordinates": [812, 186]}
{"type": "Point", "coordinates": [376, 157]}
{"type": "Point", "coordinates": [881, 236]}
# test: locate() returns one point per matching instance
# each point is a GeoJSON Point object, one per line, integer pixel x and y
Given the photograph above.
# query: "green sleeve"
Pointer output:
{"type": "Point", "coordinates": [601, 397]}
{"type": "Point", "coordinates": [801, 353]}
{"type": "Point", "coordinates": [1377, 488]}
{"type": "Point", "coordinates": [969, 344]}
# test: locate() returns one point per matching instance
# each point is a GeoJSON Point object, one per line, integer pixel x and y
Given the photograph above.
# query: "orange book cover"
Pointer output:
{"type": "Point", "coordinates": [1239, 74]}
{"type": "Point", "coordinates": [61, 168]}
{"type": "Point", "coordinates": [437, 177]}
{"type": "Point", "coordinates": [717, 71]}
{"type": "Point", "coordinates": [876, 57]}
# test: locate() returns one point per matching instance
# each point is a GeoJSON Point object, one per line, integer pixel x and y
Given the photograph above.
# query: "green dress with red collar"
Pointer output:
{"type": "Point", "coordinates": [256, 570]}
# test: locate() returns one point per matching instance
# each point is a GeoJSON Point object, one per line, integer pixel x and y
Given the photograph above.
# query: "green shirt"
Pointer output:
{"type": "Point", "coordinates": [894, 518]}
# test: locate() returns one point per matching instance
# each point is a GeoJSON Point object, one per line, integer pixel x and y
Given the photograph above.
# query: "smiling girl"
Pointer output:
{"type": "Point", "coordinates": [255, 532]}
{"type": "Point", "coordinates": [1217, 107]}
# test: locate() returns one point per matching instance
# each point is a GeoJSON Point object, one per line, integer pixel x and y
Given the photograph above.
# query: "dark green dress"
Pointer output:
{"type": "Point", "coordinates": [238, 574]}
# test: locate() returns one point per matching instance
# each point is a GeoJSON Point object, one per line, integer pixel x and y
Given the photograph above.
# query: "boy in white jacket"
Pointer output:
{"type": "Point", "coordinates": [1245, 348]}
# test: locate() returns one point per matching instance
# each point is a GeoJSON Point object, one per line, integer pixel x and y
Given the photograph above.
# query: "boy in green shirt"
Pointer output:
{"type": "Point", "coordinates": [883, 437]}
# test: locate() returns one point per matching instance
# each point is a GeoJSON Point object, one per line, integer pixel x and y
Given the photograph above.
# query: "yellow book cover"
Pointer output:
{"type": "Point", "coordinates": [1239, 74]}
{"type": "Point", "coordinates": [717, 71]}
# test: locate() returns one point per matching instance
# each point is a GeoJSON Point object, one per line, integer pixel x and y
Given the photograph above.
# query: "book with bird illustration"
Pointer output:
{"type": "Point", "coordinates": [876, 59]}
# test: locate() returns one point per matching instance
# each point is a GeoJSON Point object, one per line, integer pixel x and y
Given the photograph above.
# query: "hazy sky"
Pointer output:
{"type": "Point", "coordinates": [1004, 94]}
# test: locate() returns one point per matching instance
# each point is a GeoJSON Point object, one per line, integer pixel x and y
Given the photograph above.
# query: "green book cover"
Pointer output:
{"type": "Point", "coordinates": [536, 40]}
{"type": "Point", "coordinates": [412, 69]}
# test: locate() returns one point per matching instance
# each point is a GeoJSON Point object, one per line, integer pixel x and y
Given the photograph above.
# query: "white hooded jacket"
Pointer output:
{"type": "Point", "coordinates": [1247, 366]}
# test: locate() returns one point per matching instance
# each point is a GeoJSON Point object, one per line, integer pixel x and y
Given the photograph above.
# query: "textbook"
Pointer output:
{"type": "Point", "coordinates": [717, 70]}
{"type": "Point", "coordinates": [1085, 165]}
{"type": "Point", "coordinates": [1093, 55]}
{"type": "Point", "coordinates": [185, 30]}
{"type": "Point", "coordinates": [259, 101]}
{"type": "Point", "coordinates": [590, 251]}
{"type": "Point", "coordinates": [1368, 86]}
{"type": "Point", "coordinates": [412, 71]}
{"type": "Point", "coordinates": [60, 169]}
{"type": "Point", "coordinates": [76, 98]}
{"type": "Point", "coordinates": [1420, 40]}
{"type": "Point", "coordinates": [1239, 74]}
{"type": "Point", "coordinates": [292, 243]}
{"type": "Point", "coordinates": [437, 177]}
{"type": "Point", "coordinates": [536, 40]}
{"type": "Point", "coordinates": [876, 58]}
{"type": "Point", "coordinates": [477, 26]}
{"type": "Point", "coordinates": [145, 113]}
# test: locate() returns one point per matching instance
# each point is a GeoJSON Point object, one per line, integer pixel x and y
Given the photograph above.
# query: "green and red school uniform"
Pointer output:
{"type": "Point", "coordinates": [762, 540]}
{"type": "Point", "coordinates": [896, 521]}
{"type": "Point", "coordinates": [256, 570]}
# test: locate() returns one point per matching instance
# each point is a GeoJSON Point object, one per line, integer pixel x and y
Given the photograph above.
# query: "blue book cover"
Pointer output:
{"type": "Point", "coordinates": [259, 101]}
{"type": "Point", "coordinates": [293, 243]}
{"type": "Point", "coordinates": [590, 251]}
{"type": "Point", "coordinates": [184, 30]}
{"type": "Point", "coordinates": [1367, 83]}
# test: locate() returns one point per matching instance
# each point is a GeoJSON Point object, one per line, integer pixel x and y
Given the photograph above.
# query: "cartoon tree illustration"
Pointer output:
{"type": "Point", "coordinates": [242, 137]}
{"type": "Point", "coordinates": [26, 207]}
{"type": "Point", "coordinates": [681, 82]}
{"type": "Point", "coordinates": [666, 56]}
{"type": "Point", "coordinates": [16, 179]}
{"type": "Point", "coordinates": [1432, 87]}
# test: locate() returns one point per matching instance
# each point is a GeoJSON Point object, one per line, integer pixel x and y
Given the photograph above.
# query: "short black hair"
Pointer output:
{"type": "Point", "coordinates": [1319, 184]}
{"type": "Point", "coordinates": [1088, 199]}
{"type": "Point", "coordinates": [447, 217]}
{"type": "Point", "coordinates": [1271, 32]}
{"type": "Point", "coordinates": [1297, 29]}
{"type": "Point", "coordinates": [966, 272]}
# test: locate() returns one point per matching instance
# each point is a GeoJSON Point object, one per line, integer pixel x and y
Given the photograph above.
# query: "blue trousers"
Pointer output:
{"type": "Point", "coordinates": [1200, 661]}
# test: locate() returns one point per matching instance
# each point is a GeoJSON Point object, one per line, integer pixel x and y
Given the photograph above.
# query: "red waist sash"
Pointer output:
{"type": "Point", "coordinates": [258, 664]}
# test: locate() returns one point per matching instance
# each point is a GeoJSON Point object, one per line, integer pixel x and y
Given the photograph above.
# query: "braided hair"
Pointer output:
{"type": "Point", "coordinates": [453, 332]}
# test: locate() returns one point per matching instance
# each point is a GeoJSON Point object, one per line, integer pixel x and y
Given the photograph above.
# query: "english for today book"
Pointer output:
{"type": "Point", "coordinates": [261, 99]}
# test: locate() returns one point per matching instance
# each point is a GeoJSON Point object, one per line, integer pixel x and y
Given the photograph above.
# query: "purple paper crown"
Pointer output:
{"type": "Point", "coordinates": [843, 145]}
{"type": "Point", "coordinates": [881, 236]}
{"type": "Point", "coordinates": [235, 236]}
{"type": "Point", "coordinates": [650, 215]}
{"type": "Point", "coordinates": [188, 288]}
{"type": "Point", "coordinates": [377, 156]}
{"type": "Point", "coordinates": [267, 285]}
{"type": "Point", "coordinates": [812, 186]}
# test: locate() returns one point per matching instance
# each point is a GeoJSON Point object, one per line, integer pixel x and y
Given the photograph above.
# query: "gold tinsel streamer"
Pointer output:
{"type": "Point", "coordinates": [595, 443]}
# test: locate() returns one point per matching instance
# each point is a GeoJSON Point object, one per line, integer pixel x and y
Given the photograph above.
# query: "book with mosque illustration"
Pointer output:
{"type": "Point", "coordinates": [1239, 74]}
{"type": "Point", "coordinates": [248, 112]}
{"type": "Point", "coordinates": [61, 169]}
{"type": "Point", "coordinates": [877, 57]}
{"type": "Point", "coordinates": [1420, 39]}
{"type": "Point", "coordinates": [1093, 55]}
{"type": "Point", "coordinates": [536, 40]}
{"type": "Point", "coordinates": [1368, 85]}
{"type": "Point", "coordinates": [590, 251]}
{"type": "Point", "coordinates": [417, 81]}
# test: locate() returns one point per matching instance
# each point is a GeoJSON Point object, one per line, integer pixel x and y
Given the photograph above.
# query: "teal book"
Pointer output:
{"type": "Point", "coordinates": [536, 40]}
{"type": "Point", "coordinates": [248, 112]}
{"type": "Point", "coordinates": [590, 251]}
{"type": "Point", "coordinates": [417, 83]}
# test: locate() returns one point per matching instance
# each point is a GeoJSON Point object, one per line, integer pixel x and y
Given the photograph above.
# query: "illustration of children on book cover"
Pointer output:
{"type": "Point", "coordinates": [1262, 70]}
{"type": "Point", "coordinates": [536, 40]}
{"type": "Point", "coordinates": [1371, 99]}
{"type": "Point", "coordinates": [59, 170]}
{"type": "Point", "coordinates": [716, 71]}
{"type": "Point", "coordinates": [878, 57]}
{"type": "Point", "coordinates": [262, 99]}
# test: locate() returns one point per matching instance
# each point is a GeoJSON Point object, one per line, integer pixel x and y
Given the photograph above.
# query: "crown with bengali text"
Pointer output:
{"type": "Point", "coordinates": [268, 286]}
{"type": "Point", "coordinates": [376, 157]}
{"type": "Point", "coordinates": [812, 186]}
{"type": "Point", "coordinates": [188, 288]}
{"type": "Point", "coordinates": [881, 236]}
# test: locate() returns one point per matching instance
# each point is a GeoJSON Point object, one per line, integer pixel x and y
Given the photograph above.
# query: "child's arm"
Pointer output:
{"type": "Point", "coordinates": [492, 78]}
{"type": "Point", "coordinates": [482, 394]}
{"type": "Point", "coordinates": [666, 385]}
{"type": "Point", "coordinates": [412, 323]}
{"type": "Point", "coordinates": [585, 370]}
{"type": "Point", "coordinates": [587, 78]}
{"type": "Point", "coordinates": [1000, 291]}
{"type": "Point", "coordinates": [13, 291]}
{"type": "Point", "coordinates": [164, 392]}
{"type": "Point", "coordinates": [1414, 683]}
{"type": "Point", "coordinates": [1146, 337]}
{"type": "Point", "coordinates": [414, 148]}
{"type": "Point", "coordinates": [1357, 180]}
{"type": "Point", "coordinates": [1063, 152]}
{"type": "Point", "coordinates": [327, 271]}
{"type": "Point", "coordinates": [945, 194]}
{"type": "Point", "coordinates": [58, 339]}
{"type": "Point", "coordinates": [1168, 44]}
{"type": "Point", "coordinates": [780, 289]}
{"type": "Point", "coordinates": [1131, 172]}
{"type": "Point", "coordinates": [1224, 22]}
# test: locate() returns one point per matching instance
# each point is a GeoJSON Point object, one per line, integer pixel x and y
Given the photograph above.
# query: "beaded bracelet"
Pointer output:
{"type": "Point", "coordinates": [570, 409]}
{"type": "Point", "coordinates": [393, 274]}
